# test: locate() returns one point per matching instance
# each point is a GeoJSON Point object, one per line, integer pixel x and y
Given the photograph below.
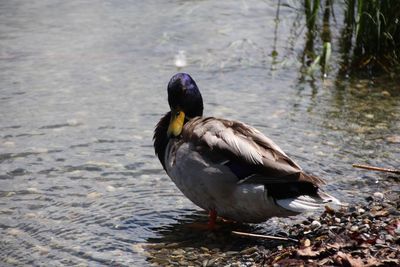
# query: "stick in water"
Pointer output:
{"type": "Point", "coordinates": [270, 237]}
{"type": "Point", "coordinates": [372, 168]}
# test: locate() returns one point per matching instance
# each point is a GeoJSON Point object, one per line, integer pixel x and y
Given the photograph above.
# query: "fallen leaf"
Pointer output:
{"type": "Point", "coordinates": [308, 252]}
{"type": "Point", "coordinates": [348, 260]}
{"type": "Point", "coordinates": [372, 261]}
{"type": "Point", "coordinates": [336, 245]}
{"type": "Point", "coordinates": [380, 213]}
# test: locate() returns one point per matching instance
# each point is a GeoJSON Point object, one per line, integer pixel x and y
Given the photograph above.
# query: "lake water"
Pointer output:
{"type": "Point", "coordinates": [83, 83]}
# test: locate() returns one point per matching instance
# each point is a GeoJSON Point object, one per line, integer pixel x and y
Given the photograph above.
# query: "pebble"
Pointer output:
{"type": "Point", "coordinates": [10, 194]}
{"type": "Point", "coordinates": [12, 261]}
{"type": "Point", "coordinates": [354, 228]}
{"type": "Point", "coordinates": [42, 250]}
{"type": "Point", "coordinates": [110, 188]}
{"type": "Point", "coordinates": [369, 116]}
{"type": "Point", "coordinates": [389, 238]}
{"type": "Point", "coordinates": [378, 195]}
{"type": "Point", "coordinates": [93, 195]}
{"type": "Point", "coordinates": [231, 253]}
{"type": "Point", "coordinates": [361, 210]}
{"type": "Point", "coordinates": [178, 252]}
{"type": "Point", "coordinates": [249, 250]}
{"type": "Point", "coordinates": [315, 225]}
{"type": "Point", "coordinates": [212, 261]}
{"type": "Point", "coordinates": [14, 231]}
{"type": "Point", "coordinates": [364, 227]}
{"type": "Point", "coordinates": [9, 144]}
{"type": "Point", "coordinates": [32, 190]}
{"type": "Point", "coordinates": [138, 248]}
{"type": "Point", "coordinates": [204, 249]}
{"type": "Point", "coordinates": [393, 139]}
{"type": "Point", "coordinates": [171, 245]}
{"type": "Point", "coordinates": [31, 215]}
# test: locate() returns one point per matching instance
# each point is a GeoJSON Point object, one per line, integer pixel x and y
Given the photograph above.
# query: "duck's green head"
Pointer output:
{"type": "Point", "coordinates": [185, 101]}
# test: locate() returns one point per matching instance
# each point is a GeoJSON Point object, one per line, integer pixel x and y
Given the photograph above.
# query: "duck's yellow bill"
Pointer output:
{"type": "Point", "coordinates": [176, 123]}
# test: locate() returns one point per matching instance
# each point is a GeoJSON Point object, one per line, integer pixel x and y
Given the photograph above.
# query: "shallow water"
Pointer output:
{"type": "Point", "coordinates": [83, 84]}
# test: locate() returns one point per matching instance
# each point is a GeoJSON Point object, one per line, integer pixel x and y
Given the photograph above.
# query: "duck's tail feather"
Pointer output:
{"type": "Point", "coordinates": [305, 203]}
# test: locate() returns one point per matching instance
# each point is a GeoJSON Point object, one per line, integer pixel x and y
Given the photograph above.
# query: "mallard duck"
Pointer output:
{"type": "Point", "coordinates": [226, 167]}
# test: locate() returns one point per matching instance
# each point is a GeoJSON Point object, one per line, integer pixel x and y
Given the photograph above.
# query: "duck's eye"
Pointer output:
{"type": "Point", "coordinates": [178, 113]}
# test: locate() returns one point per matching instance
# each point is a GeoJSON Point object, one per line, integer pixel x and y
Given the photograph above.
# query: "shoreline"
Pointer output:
{"type": "Point", "coordinates": [366, 234]}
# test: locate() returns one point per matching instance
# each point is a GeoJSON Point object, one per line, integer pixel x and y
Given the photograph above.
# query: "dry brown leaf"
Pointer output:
{"type": "Point", "coordinates": [308, 252]}
{"type": "Point", "coordinates": [347, 259]}
{"type": "Point", "coordinates": [291, 262]}
{"type": "Point", "coordinates": [372, 261]}
{"type": "Point", "coordinates": [338, 245]}
{"type": "Point", "coordinates": [380, 213]}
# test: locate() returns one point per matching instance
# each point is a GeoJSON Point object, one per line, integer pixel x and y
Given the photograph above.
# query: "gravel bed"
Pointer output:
{"type": "Point", "coordinates": [362, 235]}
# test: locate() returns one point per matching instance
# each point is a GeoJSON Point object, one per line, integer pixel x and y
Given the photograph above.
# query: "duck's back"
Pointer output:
{"type": "Point", "coordinates": [234, 169]}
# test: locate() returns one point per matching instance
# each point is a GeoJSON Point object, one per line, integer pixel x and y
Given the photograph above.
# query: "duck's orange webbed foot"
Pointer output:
{"type": "Point", "coordinates": [210, 226]}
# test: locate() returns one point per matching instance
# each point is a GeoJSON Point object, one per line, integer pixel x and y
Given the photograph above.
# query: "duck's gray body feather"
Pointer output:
{"type": "Point", "coordinates": [234, 169]}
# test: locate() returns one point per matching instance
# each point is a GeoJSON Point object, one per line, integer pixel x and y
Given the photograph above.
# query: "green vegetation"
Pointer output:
{"type": "Point", "coordinates": [369, 40]}
{"type": "Point", "coordinates": [376, 27]}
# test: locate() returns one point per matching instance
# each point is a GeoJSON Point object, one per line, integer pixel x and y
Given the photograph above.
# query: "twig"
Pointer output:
{"type": "Point", "coordinates": [372, 168]}
{"type": "Point", "coordinates": [270, 237]}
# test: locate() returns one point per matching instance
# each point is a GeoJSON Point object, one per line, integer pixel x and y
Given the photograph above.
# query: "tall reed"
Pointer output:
{"type": "Point", "coordinates": [369, 40]}
{"type": "Point", "coordinates": [376, 28]}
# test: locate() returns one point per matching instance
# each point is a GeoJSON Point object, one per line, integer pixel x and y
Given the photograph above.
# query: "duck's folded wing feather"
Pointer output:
{"type": "Point", "coordinates": [246, 148]}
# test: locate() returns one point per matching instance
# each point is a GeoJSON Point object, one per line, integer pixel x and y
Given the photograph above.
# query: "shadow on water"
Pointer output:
{"type": "Point", "coordinates": [185, 242]}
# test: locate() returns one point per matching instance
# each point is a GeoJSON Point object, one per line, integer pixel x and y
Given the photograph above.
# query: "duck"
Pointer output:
{"type": "Point", "coordinates": [228, 168]}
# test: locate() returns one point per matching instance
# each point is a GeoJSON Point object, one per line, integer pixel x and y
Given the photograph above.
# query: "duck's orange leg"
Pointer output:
{"type": "Point", "coordinates": [210, 226]}
{"type": "Point", "coordinates": [212, 219]}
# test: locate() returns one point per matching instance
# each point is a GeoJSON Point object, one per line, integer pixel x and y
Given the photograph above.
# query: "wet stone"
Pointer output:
{"type": "Point", "coordinates": [231, 253]}
{"type": "Point", "coordinates": [378, 195]}
{"type": "Point", "coordinates": [354, 228]}
{"type": "Point", "coordinates": [248, 250]}
{"type": "Point", "coordinates": [204, 249]}
{"type": "Point", "coordinates": [315, 225]}
{"type": "Point", "coordinates": [178, 252]}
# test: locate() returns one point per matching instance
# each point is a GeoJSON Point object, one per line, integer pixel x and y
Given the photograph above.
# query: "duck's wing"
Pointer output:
{"type": "Point", "coordinates": [160, 137]}
{"type": "Point", "coordinates": [252, 156]}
